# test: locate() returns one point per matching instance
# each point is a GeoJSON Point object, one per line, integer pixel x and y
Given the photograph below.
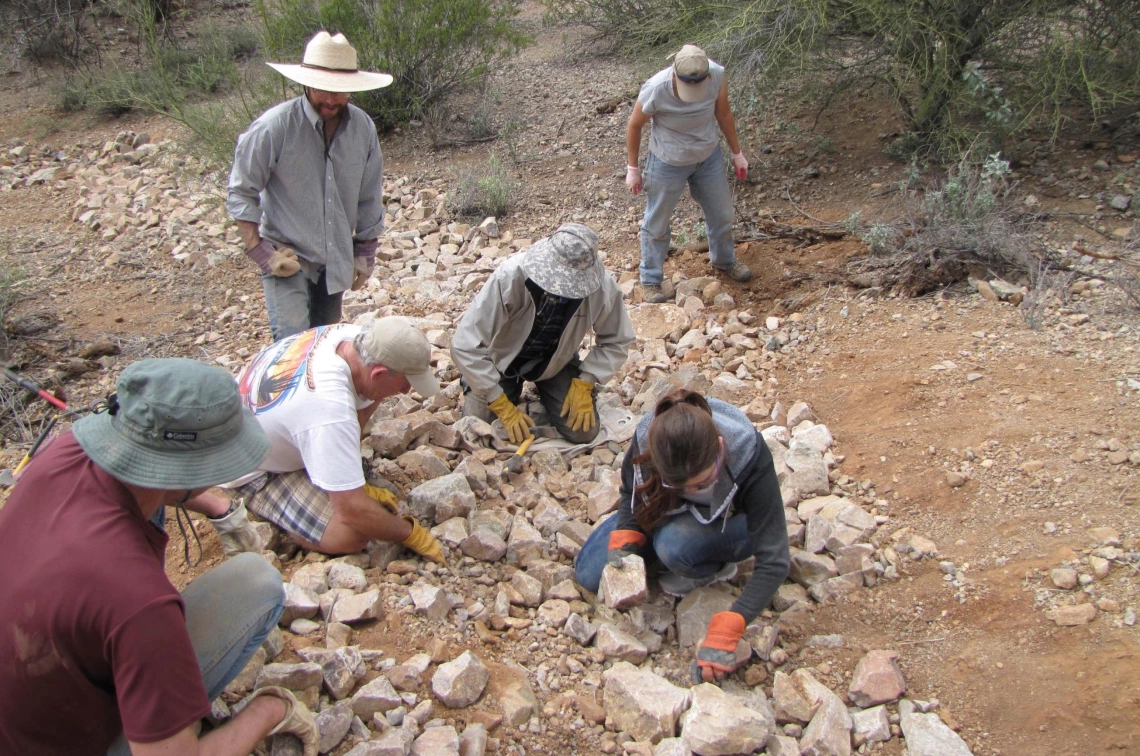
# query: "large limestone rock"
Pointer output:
{"type": "Point", "coordinates": [797, 697]}
{"type": "Point", "coordinates": [525, 539]}
{"type": "Point", "coordinates": [808, 476]}
{"type": "Point", "coordinates": [719, 724]}
{"type": "Point", "coordinates": [656, 321]}
{"type": "Point", "coordinates": [484, 544]}
{"type": "Point", "coordinates": [641, 703]}
{"type": "Point", "coordinates": [299, 604]}
{"type": "Point", "coordinates": [396, 741]}
{"type": "Point", "coordinates": [377, 695]}
{"type": "Point", "coordinates": [871, 726]}
{"type": "Point", "coordinates": [292, 676]}
{"type": "Point", "coordinates": [928, 735]}
{"type": "Point", "coordinates": [625, 585]}
{"type": "Point", "coordinates": [473, 740]}
{"type": "Point", "coordinates": [809, 569]}
{"type": "Point", "coordinates": [727, 387]}
{"type": "Point", "coordinates": [618, 644]}
{"type": "Point", "coordinates": [437, 741]}
{"type": "Point", "coordinates": [672, 747]}
{"type": "Point", "coordinates": [460, 682]}
{"type": "Point", "coordinates": [877, 680]}
{"type": "Point", "coordinates": [519, 703]}
{"type": "Point", "coordinates": [829, 732]}
{"type": "Point", "coordinates": [442, 498]}
{"type": "Point", "coordinates": [430, 601]}
{"type": "Point", "coordinates": [364, 606]}
{"type": "Point", "coordinates": [695, 611]}
{"type": "Point", "coordinates": [333, 724]}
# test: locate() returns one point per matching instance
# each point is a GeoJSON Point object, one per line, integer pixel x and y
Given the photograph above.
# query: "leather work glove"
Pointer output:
{"type": "Point", "coordinates": [578, 408]}
{"type": "Point", "coordinates": [361, 271]}
{"type": "Point", "coordinates": [517, 422]}
{"type": "Point", "coordinates": [382, 496]}
{"type": "Point", "coordinates": [622, 544]}
{"type": "Point", "coordinates": [424, 543]}
{"type": "Point", "coordinates": [283, 262]}
{"type": "Point", "coordinates": [633, 178]}
{"type": "Point", "coordinates": [236, 532]}
{"type": "Point", "coordinates": [298, 719]}
{"type": "Point", "coordinates": [740, 165]}
{"type": "Point", "coordinates": [717, 655]}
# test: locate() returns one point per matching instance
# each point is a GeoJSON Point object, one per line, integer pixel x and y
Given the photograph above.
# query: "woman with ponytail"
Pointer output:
{"type": "Point", "coordinates": [699, 493]}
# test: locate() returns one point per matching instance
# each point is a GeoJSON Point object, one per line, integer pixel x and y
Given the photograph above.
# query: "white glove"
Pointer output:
{"type": "Point", "coordinates": [298, 719]}
{"type": "Point", "coordinates": [633, 178]}
{"type": "Point", "coordinates": [362, 271]}
{"type": "Point", "coordinates": [740, 165]}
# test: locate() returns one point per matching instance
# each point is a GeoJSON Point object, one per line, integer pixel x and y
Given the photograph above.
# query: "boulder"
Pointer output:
{"type": "Point", "coordinates": [358, 608]}
{"type": "Point", "coordinates": [618, 644]}
{"type": "Point", "coordinates": [928, 735]}
{"type": "Point", "coordinates": [695, 611]}
{"type": "Point", "coordinates": [333, 724]}
{"type": "Point", "coordinates": [719, 724]}
{"type": "Point", "coordinates": [437, 741]}
{"type": "Point", "coordinates": [441, 499]}
{"type": "Point", "coordinates": [343, 575]}
{"type": "Point", "coordinates": [519, 703]}
{"type": "Point", "coordinates": [877, 680]}
{"type": "Point", "coordinates": [292, 676]}
{"type": "Point", "coordinates": [829, 732]}
{"type": "Point", "coordinates": [485, 545]}
{"type": "Point", "coordinates": [624, 586]}
{"type": "Point", "coordinates": [377, 695]}
{"type": "Point", "coordinates": [460, 682]}
{"type": "Point", "coordinates": [299, 603]}
{"type": "Point", "coordinates": [797, 697]}
{"type": "Point", "coordinates": [473, 740]}
{"type": "Point", "coordinates": [645, 705]}
{"type": "Point", "coordinates": [430, 601]}
{"type": "Point", "coordinates": [871, 726]}
{"type": "Point", "coordinates": [809, 569]}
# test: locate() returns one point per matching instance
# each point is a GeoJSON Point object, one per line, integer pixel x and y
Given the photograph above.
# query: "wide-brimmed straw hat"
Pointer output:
{"type": "Point", "coordinates": [691, 73]}
{"type": "Point", "coordinates": [330, 64]}
{"type": "Point", "coordinates": [566, 262]}
{"type": "Point", "coordinates": [174, 424]}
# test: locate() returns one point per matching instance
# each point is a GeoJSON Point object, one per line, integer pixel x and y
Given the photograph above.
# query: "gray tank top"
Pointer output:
{"type": "Point", "coordinates": [683, 133]}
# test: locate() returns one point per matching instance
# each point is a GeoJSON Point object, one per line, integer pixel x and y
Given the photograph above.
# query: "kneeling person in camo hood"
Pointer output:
{"type": "Point", "coordinates": [528, 323]}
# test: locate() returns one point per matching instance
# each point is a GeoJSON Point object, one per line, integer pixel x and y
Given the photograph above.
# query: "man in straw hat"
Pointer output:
{"type": "Point", "coordinates": [99, 653]}
{"type": "Point", "coordinates": [528, 323]}
{"type": "Point", "coordinates": [306, 189]}
{"type": "Point", "coordinates": [686, 103]}
{"type": "Point", "coordinates": [312, 393]}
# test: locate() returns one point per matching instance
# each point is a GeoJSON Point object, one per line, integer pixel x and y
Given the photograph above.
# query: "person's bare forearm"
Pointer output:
{"type": "Point", "coordinates": [365, 516]}
{"type": "Point", "coordinates": [728, 127]}
{"type": "Point", "coordinates": [632, 143]}
{"type": "Point", "coordinates": [246, 730]}
{"type": "Point", "coordinates": [250, 234]}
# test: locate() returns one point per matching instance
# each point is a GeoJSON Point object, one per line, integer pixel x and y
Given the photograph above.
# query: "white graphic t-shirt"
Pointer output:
{"type": "Point", "coordinates": [300, 390]}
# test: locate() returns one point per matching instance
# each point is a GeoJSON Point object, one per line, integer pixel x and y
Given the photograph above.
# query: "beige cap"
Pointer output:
{"type": "Point", "coordinates": [330, 64]}
{"type": "Point", "coordinates": [398, 345]}
{"type": "Point", "coordinates": [691, 73]}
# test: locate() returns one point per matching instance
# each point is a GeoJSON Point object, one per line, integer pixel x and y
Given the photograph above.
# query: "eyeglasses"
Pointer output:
{"type": "Point", "coordinates": [693, 79]}
{"type": "Point", "coordinates": [696, 487]}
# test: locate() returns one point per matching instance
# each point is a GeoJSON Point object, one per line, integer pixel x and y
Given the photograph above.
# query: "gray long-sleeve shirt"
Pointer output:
{"type": "Point", "coordinates": [301, 198]}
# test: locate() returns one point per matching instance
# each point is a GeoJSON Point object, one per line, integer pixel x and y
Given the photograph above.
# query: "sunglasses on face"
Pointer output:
{"type": "Point", "coordinates": [693, 79]}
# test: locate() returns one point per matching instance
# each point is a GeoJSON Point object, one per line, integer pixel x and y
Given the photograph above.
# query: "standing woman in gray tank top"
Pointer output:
{"type": "Point", "coordinates": [688, 105]}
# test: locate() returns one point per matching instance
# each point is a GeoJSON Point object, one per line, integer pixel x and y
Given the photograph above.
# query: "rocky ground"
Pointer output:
{"type": "Point", "coordinates": [960, 488]}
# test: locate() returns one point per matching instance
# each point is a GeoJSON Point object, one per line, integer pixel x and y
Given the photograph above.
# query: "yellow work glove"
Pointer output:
{"type": "Point", "coordinates": [283, 263]}
{"type": "Point", "coordinates": [382, 496]}
{"type": "Point", "coordinates": [517, 422]}
{"type": "Point", "coordinates": [578, 409]}
{"type": "Point", "coordinates": [423, 542]}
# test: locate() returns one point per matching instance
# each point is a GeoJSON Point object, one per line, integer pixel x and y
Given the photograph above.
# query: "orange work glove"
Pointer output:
{"type": "Point", "coordinates": [622, 544]}
{"type": "Point", "coordinates": [381, 496]}
{"type": "Point", "coordinates": [717, 655]}
{"type": "Point", "coordinates": [423, 543]}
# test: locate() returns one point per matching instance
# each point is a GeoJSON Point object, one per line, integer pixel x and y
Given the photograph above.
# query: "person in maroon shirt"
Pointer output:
{"type": "Point", "coordinates": [99, 653]}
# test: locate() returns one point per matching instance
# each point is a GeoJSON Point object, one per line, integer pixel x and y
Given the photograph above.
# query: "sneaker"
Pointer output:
{"type": "Point", "coordinates": [653, 294]}
{"type": "Point", "coordinates": [738, 271]}
{"type": "Point", "coordinates": [678, 586]}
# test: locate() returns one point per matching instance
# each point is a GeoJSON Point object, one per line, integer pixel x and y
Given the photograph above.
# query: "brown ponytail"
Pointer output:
{"type": "Point", "coordinates": [683, 442]}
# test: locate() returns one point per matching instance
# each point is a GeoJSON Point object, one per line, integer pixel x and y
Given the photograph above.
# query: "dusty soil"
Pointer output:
{"type": "Point", "coordinates": [875, 372]}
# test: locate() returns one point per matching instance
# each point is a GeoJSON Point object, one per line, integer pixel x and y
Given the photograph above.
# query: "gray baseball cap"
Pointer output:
{"type": "Point", "coordinates": [174, 424]}
{"type": "Point", "coordinates": [566, 262]}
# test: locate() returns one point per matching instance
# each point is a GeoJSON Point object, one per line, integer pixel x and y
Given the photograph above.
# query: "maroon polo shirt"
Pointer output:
{"type": "Point", "coordinates": [93, 637]}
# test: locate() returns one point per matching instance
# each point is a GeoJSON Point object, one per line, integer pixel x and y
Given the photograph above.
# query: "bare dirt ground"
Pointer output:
{"type": "Point", "coordinates": [1032, 435]}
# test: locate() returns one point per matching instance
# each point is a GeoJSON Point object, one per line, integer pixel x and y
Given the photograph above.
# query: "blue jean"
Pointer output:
{"type": "Point", "coordinates": [682, 545]}
{"type": "Point", "coordinates": [229, 612]}
{"type": "Point", "coordinates": [664, 184]}
{"type": "Point", "coordinates": [297, 304]}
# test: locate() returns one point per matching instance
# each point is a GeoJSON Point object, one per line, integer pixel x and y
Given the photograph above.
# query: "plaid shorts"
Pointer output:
{"type": "Point", "coordinates": [291, 502]}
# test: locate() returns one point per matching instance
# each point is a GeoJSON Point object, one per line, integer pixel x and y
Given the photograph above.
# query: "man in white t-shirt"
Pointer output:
{"type": "Point", "coordinates": [688, 105]}
{"type": "Point", "coordinates": [312, 393]}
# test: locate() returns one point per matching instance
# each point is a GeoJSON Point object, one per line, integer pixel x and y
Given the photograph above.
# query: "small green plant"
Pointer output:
{"type": "Point", "coordinates": [483, 190]}
{"type": "Point", "coordinates": [880, 238]}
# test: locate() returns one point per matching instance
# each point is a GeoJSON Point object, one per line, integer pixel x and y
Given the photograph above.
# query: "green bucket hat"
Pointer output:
{"type": "Point", "coordinates": [174, 424]}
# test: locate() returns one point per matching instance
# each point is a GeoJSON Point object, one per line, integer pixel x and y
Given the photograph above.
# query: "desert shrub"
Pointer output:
{"type": "Point", "coordinates": [47, 31]}
{"type": "Point", "coordinates": [432, 48]}
{"type": "Point", "coordinates": [9, 278]}
{"type": "Point", "coordinates": [955, 68]}
{"type": "Point", "coordinates": [961, 223]}
{"type": "Point", "coordinates": [484, 189]}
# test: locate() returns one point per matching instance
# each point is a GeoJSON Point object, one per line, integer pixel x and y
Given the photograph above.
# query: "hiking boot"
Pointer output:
{"type": "Point", "coordinates": [653, 294]}
{"type": "Point", "coordinates": [738, 271]}
{"type": "Point", "coordinates": [678, 586]}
